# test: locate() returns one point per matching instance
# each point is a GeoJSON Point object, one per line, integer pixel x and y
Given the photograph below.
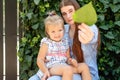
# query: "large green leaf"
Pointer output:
{"type": "Point", "coordinates": [86, 14]}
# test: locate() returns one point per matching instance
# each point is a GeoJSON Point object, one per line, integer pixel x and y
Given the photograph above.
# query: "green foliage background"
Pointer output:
{"type": "Point", "coordinates": [32, 13]}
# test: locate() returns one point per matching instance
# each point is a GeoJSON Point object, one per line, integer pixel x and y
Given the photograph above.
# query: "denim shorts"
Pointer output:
{"type": "Point", "coordinates": [75, 77]}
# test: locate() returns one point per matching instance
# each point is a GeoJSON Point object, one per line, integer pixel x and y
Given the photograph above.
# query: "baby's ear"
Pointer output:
{"type": "Point", "coordinates": [47, 34]}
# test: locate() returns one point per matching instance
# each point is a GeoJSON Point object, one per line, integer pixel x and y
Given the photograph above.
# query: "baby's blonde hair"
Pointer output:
{"type": "Point", "coordinates": [54, 20]}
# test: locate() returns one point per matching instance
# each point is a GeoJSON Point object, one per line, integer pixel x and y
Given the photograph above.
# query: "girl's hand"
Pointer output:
{"type": "Point", "coordinates": [85, 34]}
{"type": "Point", "coordinates": [73, 62]}
{"type": "Point", "coordinates": [46, 75]}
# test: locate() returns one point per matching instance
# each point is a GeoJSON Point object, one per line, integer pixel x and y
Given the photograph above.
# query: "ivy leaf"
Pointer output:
{"type": "Point", "coordinates": [111, 63]}
{"type": "Point", "coordinates": [27, 51]}
{"type": "Point", "coordinates": [36, 2]}
{"type": "Point", "coordinates": [104, 27]}
{"type": "Point", "coordinates": [116, 1]}
{"type": "Point", "coordinates": [47, 5]}
{"type": "Point", "coordinates": [35, 26]}
{"type": "Point", "coordinates": [110, 35]}
{"type": "Point", "coordinates": [117, 44]}
{"type": "Point", "coordinates": [29, 15]}
{"type": "Point", "coordinates": [24, 40]}
{"type": "Point", "coordinates": [86, 14]}
{"type": "Point", "coordinates": [114, 8]}
{"type": "Point", "coordinates": [117, 23]}
{"type": "Point", "coordinates": [101, 17]}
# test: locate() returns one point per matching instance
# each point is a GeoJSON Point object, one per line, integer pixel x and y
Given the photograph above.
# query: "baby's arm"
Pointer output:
{"type": "Point", "coordinates": [70, 60]}
{"type": "Point", "coordinates": [41, 59]}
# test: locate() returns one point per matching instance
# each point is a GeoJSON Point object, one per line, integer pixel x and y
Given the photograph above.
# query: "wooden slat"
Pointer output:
{"type": "Point", "coordinates": [11, 39]}
{"type": "Point", "coordinates": [1, 40]}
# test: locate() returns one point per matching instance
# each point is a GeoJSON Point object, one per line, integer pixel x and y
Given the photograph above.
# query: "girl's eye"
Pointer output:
{"type": "Point", "coordinates": [64, 14]}
{"type": "Point", "coordinates": [70, 11]}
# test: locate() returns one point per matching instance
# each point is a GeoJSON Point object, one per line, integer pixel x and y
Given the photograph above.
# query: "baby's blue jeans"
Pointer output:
{"type": "Point", "coordinates": [75, 77]}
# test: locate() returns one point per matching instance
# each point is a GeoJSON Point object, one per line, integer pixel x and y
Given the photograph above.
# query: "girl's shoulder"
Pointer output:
{"type": "Point", "coordinates": [45, 40]}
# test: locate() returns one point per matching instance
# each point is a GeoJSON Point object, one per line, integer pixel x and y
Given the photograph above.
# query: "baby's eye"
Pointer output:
{"type": "Point", "coordinates": [53, 32]}
{"type": "Point", "coordinates": [61, 30]}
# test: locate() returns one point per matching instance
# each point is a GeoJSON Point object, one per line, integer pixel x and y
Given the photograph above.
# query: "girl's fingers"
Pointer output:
{"type": "Point", "coordinates": [82, 37]}
{"type": "Point", "coordinates": [85, 34]}
{"type": "Point", "coordinates": [85, 28]}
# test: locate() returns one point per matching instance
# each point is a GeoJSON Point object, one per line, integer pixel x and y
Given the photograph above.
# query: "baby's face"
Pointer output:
{"type": "Point", "coordinates": [55, 32]}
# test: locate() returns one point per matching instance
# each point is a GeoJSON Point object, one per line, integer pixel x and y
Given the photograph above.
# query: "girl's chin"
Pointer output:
{"type": "Point", "coordinates": [71, 23]}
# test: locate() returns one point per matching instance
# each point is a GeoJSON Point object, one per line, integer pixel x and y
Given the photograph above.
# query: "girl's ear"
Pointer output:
{"type": "Point", "coordinates": [47, 34]}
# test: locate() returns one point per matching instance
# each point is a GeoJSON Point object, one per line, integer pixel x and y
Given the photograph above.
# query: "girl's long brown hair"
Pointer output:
{"type": "Point", "coordinates": [76, 48]}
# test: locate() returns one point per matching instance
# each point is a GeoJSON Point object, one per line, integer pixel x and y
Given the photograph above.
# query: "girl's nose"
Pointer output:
{"type": "Point", "coordinates": [68, 15]}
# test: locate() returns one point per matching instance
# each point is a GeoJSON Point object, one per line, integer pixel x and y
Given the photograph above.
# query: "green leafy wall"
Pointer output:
{"type": "Point", "coordinates": [32, 14]}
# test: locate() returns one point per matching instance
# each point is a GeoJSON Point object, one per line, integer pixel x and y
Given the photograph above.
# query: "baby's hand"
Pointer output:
{"type": "Point", "coordinates": [73, 62]}
{"type": "Point", "coordinates": [46, 75]}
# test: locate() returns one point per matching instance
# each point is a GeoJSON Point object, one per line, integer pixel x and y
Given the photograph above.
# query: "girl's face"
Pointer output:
{"type": "Point", "coordinates": [67, 12]}
{"type": "Point", "coordinates": [55, 32]}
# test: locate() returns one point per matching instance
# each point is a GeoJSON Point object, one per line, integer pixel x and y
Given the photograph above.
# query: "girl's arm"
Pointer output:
{"type": "Point", "coordinates": [70, 60]}
{"type": "Point", "coordinates": [41, 58]}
